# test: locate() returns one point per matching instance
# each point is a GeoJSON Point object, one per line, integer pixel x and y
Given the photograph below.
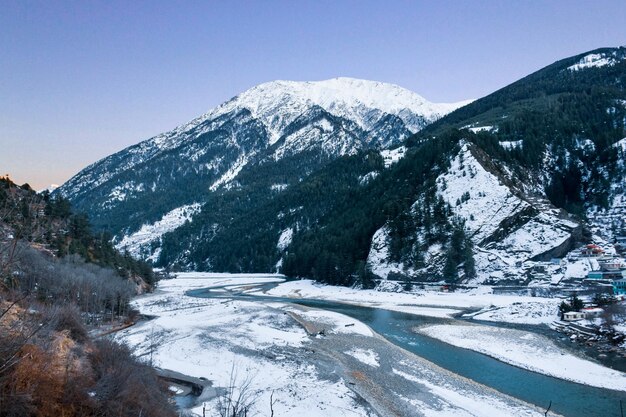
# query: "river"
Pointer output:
{"type": "Point", "coordinates": [568, 398]}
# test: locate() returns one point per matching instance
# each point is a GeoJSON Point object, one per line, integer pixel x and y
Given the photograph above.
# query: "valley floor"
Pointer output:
{"type": "Point", "coordinates": [275, 348]}
{"type": "Point", "coordinates": [524, 349]}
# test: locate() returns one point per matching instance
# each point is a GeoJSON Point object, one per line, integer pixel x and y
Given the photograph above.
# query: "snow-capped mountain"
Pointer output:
{"type": "Point", "coordinates": [49, 188]}
{"type": "Point", "coordinates": [277, 104]}
{"type": "Point", "coordinates": [327, 180]}
{"type": "Point", "coordinates": [275, 122]}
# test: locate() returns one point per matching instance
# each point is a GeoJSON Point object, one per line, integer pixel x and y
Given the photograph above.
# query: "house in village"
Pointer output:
{"type": "Point", "coordinates": [607, 275]}
{"type": "Point", "coordinates": [592, 250]}
{"type": "Point", "coordinates": [592, 312]}
{"type": "Point", "coordinates": [619, 286]}
{"type": "Point", "coordinates": [611, 269]}
{"type": "Point", "coordinates": [573, 316]}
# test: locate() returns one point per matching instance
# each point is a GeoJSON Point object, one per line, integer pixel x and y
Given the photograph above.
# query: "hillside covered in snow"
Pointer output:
{"type": "Point", "coordinates": [328, 180]}
{"type": "Point", "coordinates": [283, 130]}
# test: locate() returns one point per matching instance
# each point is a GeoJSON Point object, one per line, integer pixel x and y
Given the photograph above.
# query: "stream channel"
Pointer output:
{"type": "Point", "coordinates": [568, 398]}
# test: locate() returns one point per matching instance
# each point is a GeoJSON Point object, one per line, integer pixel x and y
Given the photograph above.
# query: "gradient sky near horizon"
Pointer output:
{"type": "Point", "coordinates": [80, 80]}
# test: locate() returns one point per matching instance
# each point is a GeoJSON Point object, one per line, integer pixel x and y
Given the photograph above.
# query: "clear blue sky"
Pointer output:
{"type": "Point", "coordinates": [82, 79]}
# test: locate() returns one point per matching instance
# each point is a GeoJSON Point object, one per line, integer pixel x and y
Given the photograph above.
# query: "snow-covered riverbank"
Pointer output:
{"type": "Point", "coordinates": [502, 308]}
{"type": "Point", "coordinates": [523, 349]}
{"type": "Point", "coordinates": [212, 338]}
{"type": "Point", "coordinates": [305, 373]}
{"type": "Point", "coordinates": [529, 351]}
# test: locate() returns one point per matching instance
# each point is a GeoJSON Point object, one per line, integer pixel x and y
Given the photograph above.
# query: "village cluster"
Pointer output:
{"type": "Point", "coordinates": [599, 314]}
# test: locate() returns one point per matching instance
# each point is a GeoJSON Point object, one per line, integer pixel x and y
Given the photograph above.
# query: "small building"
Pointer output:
{"type": "Point", "coordinates": [615, 275]}
{"type": "Point", "coordinates": [573, 316]}
{"type": "Point", "coordinates": [610, 264]}
{"type": "Point", "coordinates": [607, 275]}
{"type": "Point", "coordinates": [592, 250]}
{"type": "Point", "coordinates": [592, 312]}
{"type": "Point", "coordinates": [619, 286]}
{"type": "Point", "coordinates": [595, 275]}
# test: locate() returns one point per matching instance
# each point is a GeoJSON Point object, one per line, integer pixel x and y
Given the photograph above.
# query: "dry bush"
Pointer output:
{"type": "Point", "coordinates": [68, 318]}
{"type": "Point", "coordinates": [53, 375]}
{"type": "Point", "coordinates": [125, 386]}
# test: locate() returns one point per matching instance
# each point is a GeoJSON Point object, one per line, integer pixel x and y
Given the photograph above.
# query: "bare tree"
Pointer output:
{"type": "Point", "coordinates": [239, 397]}
{"type": "Point", "coordinates": [613, 313]}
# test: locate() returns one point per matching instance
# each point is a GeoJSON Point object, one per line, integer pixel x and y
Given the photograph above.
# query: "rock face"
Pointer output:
{"type": "Point", "coordinates": [136, 191]}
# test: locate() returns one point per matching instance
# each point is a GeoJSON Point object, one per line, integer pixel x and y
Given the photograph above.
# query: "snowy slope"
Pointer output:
{"type": "Point", "coordinates": [506, 226]}
{"type": "Point", "coordinates": [598, 60]}
{"type": "Point", "coordinates": [276, 105]}
{"type": "Point", "coordinates": [139, 242]}
{"type": "Point", "coordinates": [269, 123]}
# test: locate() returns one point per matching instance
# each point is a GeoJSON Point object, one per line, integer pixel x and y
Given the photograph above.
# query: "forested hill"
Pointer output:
{"type": "Point", "coordinates": [575, 107]}
{"type": "Point", "coordinates": [597, 74]}
{"type": "Point", "coordinates": [524, 174]}
{"type": "Point", "coordinates": [49, 224]}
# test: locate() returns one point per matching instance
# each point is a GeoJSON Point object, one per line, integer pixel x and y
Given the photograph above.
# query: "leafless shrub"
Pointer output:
{"type": "Point", "coordinates": [126, 386]}
{"type": "Point", "coordinates": [68, 318]}
{"type": "Point", "coordinates": [239, 397]}
{"type": "Point", "coordinates": [94, 290]}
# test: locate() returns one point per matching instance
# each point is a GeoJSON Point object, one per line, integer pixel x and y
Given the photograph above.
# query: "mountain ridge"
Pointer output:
{"type": "Point", "coordinates": [542, 155]}
{"type": "Point", "coordinates": [269, 122]}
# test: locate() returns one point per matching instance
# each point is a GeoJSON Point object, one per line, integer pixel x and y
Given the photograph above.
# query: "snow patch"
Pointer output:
{"type": "Point", "coordinates": [391, 156]}
{"type": "Point", "coordinates": [378, 256]}
{"type": "Point", "coordinates": [482, 129]}
{"type": "Point", "coordinates": [529, 351]}
{"type": "Point", "coordinates": [148, 233]}
{"type": "Point", "coordinates": [621, 144]}
{"type": "Point", "coordinates": [364, 179]}
{"type": "Point", "coordinates": [529, 312]}
{"type": "Point", "coordinates": [229, 175]}
{"type": "Point", "coordinates": [461, 404]}
{"type": "Point", "coordinates": [513, 144]}
{"type": "Point", "coordinates": [284, 240]}
{"type": "Point", "coordinates": [279, 187]}
{"type": "Point", "coordinates": [595, 61]}
{"type": "Point", "coordinates": [368, 357]}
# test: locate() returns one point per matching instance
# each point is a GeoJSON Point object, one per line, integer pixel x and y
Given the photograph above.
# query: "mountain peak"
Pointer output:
{"type": "Point", "coordinates": [277, 120]}
{"type": "Point", "coordinates": [278, 103]}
